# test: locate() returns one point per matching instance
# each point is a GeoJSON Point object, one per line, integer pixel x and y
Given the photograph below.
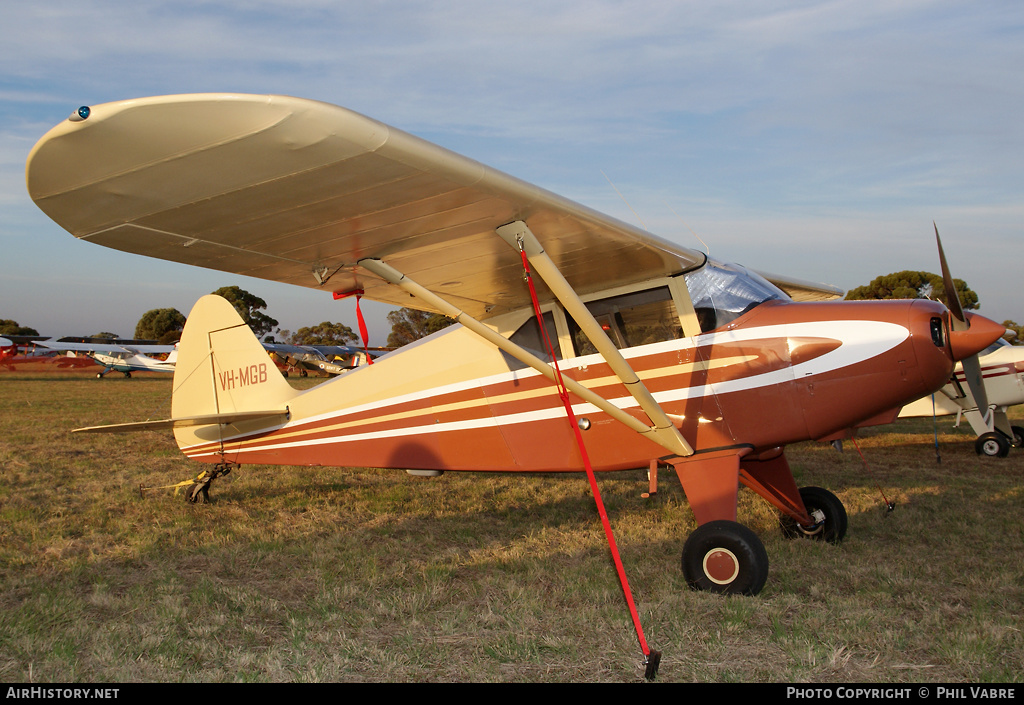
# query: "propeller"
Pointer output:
{"type": "Point", "coordinates": [960, 324]}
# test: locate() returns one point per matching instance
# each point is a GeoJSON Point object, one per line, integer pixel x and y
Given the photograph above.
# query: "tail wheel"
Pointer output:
{"type": "Point", "coordinates": [992, 444]}
{"type": "Point", "coordinates": [828, 515]}
{"type": "Point", "coordinates": [725, 557]}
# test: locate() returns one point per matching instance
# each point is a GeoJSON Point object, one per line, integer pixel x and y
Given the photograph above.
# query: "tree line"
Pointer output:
{"type": "Point", "coordinates": [164, 325]}
{"type": "Point", "coordinates": [910, 284]}
{"type": "Point", "coordinates": [408, 325]}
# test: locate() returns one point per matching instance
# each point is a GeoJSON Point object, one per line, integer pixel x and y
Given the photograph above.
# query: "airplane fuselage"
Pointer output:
{"type": "Point", "coordinates": [451, 402]}
{"type": "Point", "coordinates": [132, 363]}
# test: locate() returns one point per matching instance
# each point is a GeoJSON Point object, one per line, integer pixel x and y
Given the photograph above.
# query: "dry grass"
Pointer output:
{"type": "Point", "coordinates": [325, 574]}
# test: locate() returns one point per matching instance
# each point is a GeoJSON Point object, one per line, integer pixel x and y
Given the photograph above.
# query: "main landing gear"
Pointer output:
{"type": "Point", "coordinates": [996, 444]}
{"type": "Point", "coordinates": [726, 557]}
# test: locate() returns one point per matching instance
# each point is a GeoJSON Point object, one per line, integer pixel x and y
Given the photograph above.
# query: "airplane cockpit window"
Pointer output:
{"type": "Point", "coordinates": [633, 319]}
{"type": "Point", "coordinates": [722, 293]}
{"type": "Point", "coordinates": [528, 336]}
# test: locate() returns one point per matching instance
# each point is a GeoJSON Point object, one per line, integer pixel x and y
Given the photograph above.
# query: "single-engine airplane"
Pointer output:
{"type": "Point", "coordinates": [26, 353]}
{"type": "Point", "coordinates": [321, 360]}
{"type": "Point", "coordinates": [7, 350]}
{"type": "Point", "coordinates": [668, 357]}
{"type": "Point", "coordinates": [1002, 369]}
{"type": "Point", "coordinates": [115, 357]}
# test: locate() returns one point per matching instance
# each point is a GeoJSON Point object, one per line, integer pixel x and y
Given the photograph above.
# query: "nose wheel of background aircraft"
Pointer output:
{"type": "Point", "coordinates": [993, 444]}
{"type": "Point", "coordinates": [828, 513]}
{"type": "Point", "coordinates": [725, 557]}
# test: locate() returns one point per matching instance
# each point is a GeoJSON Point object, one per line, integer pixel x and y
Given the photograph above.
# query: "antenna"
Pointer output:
{"type": "Point", "coordinates": [624, 200]}
{"type": "Point", "coordinates": [707, 250]}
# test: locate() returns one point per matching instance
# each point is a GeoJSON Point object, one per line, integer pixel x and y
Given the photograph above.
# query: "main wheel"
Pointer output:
{"type": "Point", "coordinates": [1018, 437]}
{"type": "Point", "coordinates": [993, 444]}
{"type": "Point", "coordinates": [828, 515]}
{"type": "Point", "coordinates": [726, 557]}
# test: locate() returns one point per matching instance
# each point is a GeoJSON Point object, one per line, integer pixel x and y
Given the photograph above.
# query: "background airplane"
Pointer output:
{"type": "Point", "coordinates": [125, 359]}
{"type": "Point", "coordinates": [320, 360]}
{"type": "Point", "coordinates": [7, 349]}
{"type": "Point", "coordinates": [25, 353]}
{"type": "Point", "coordinates": [1002, 370]}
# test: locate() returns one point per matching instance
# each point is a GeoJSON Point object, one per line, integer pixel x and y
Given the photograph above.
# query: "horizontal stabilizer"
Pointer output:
{"type": "Point", "coordinates": [203, 420]}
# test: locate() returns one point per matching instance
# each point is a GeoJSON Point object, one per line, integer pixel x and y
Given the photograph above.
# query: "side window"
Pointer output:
{"type": "Point", "coordinates": [633, 319]}
{"type": "Point", "coordinates": [528, 336]}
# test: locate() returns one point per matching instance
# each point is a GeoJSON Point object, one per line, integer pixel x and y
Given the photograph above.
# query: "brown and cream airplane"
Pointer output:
{"type": "Point", "coordinates": [669, 358]}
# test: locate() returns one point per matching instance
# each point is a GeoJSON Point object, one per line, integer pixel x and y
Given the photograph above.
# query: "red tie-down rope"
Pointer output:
{"type": "Point", "coordinates": [651, 658]}
{"type": "Point", "coordinates": [358, 293]}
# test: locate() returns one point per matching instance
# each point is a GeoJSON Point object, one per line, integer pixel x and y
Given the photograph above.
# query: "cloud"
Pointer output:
{"type": "Point", "coordinates": [820, 137]}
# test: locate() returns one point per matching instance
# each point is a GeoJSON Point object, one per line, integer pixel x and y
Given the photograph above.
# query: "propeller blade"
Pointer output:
{"type": "Point", "coordinates": [972, 371]}
{"type": "Point", "coordinates": [960, 321]}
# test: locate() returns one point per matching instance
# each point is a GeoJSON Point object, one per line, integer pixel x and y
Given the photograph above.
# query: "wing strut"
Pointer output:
{"type": "Point", "coordinates": [393, 276]}
{"type": "Point", "coordinates": [519, 235]}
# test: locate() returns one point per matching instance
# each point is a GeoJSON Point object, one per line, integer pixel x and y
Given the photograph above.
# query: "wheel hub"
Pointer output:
{"type": "Point", "coordinates": [721, 566]}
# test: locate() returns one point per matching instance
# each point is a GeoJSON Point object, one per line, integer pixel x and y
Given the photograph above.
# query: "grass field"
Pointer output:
{"type": "Point", "coordinates": [338, 574]}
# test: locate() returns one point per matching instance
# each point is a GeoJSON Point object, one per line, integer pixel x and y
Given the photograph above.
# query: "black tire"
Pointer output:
{"type": "Point", "coordinates": [725, 557]}
{"type": "Point", "coordinates": [1018, 437]}
{"type": "Point", "coordinates": [993, 444]}
{"type": "Point", "coordinates": [828, 512]}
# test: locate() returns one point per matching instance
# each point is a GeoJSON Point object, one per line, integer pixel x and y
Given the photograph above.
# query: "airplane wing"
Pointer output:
{"type": "Point", "coordinates": [283, 349]}
{"type": "Point", "coordinates": [106, 347]}
{"type": "Point", "coordinates": [87, 347]}
{"type": "Point", "coordinates": [298, 191]}
{"type": "Point", "coordinates": [800, 290]}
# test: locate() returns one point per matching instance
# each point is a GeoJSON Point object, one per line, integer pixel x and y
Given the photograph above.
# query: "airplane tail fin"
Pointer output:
{"type": "Point", "coordinates": [223, 370]}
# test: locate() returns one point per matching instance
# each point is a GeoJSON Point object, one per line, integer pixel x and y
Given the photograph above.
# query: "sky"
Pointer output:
{"type": "Point", "coordinates": [818, 140]}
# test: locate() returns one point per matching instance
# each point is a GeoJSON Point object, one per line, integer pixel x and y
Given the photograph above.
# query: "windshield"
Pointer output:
{"type": "Point", "coordinates": [722, 293]}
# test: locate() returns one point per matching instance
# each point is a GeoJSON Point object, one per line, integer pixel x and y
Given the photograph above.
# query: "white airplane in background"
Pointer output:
{"type": "Point", "coordinates": [1002, 372]}
{"type": "Point", "coordinates": [122, 358]}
